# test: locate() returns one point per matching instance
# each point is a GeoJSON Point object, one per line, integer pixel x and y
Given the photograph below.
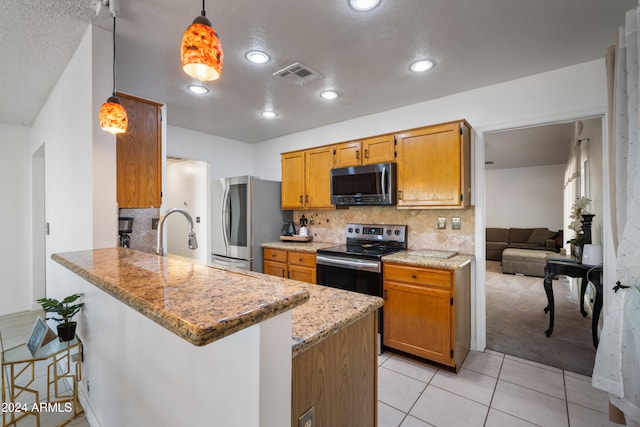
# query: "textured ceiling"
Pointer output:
{"type": "Point", "coordinates": [365, 56]}
{"type": "Point", "coordinates": [534, 146]}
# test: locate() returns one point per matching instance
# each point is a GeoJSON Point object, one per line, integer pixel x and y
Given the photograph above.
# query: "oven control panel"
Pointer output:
{"type": "Point", "coordinates": [377, 232]}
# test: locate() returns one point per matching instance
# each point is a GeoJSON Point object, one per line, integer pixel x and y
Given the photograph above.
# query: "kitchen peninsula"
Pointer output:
{"type": "Point", "coordinates": [239, 333]}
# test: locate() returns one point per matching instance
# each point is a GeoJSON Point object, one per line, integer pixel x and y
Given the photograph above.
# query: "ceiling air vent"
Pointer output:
{"type": "Point", "coordinates": [298, 74]}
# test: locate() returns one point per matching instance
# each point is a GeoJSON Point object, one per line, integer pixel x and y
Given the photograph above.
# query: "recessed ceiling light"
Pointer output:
{"type": "Point", "coordinates": [363, 5]}
{"type": "Point", "coordinates": [200, 90]}
{"type": "Point", "coordinates": [269, 114]}
{"type": "Point", "coordinates": [257, 57]}
{"type": "Point", "coordinates": [329, 94]}
{"type": "Point", "coordinates": [421, 65]}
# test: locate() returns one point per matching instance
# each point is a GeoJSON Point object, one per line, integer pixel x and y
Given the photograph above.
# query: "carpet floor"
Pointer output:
{"type": "Point", "coordinates": [516, 322]}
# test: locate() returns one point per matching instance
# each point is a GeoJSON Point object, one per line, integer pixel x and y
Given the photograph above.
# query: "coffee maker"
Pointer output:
{"type": "Point", "coordinates": [125, 227]}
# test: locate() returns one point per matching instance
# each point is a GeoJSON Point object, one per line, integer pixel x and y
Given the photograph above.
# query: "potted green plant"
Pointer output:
{"type": "Point", "coordinates": [65, 309]}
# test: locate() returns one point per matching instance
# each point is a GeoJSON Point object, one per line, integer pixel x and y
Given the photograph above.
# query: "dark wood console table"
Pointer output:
{"type": "Point", "coordinates": [587, 273]}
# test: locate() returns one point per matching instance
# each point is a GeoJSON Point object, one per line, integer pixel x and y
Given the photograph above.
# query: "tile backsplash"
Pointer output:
{"type": "Point", "coordinates": [143, 237]}
{"type": "Point", "coordinates": [423, 233]}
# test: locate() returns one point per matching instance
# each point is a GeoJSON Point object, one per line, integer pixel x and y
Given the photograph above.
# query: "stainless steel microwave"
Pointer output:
{"type": "Point", "coordinates": [364, 185]}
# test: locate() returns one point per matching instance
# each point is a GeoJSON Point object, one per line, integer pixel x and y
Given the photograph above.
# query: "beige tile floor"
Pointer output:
{"type": "Point", "coordinates": [491, 389]}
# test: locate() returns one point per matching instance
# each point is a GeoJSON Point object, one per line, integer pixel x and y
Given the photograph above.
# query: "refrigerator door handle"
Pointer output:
{"type": "Point", "coordinates": [226, 212]}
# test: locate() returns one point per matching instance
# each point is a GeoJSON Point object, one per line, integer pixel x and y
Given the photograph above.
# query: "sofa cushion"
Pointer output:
{"type": "Point", "coordinates": [519, 235]}
{"type": "Point", "coordinates": [540, 236]}
{"type": "Point", "coordinates": [497, 234]}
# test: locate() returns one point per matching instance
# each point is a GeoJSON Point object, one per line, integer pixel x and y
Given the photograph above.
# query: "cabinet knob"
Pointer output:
{"type": "Point", "coordinates": [301, 199]}
{"type": "Point", "coordinates": [299, 259]}
{"type": "Point", "coordinates": [357, 154]}
{"type": "Point", "coordinates": [306, 198]}
{"type": "Point", "coordinates": [366, 153]}
{"type": "Point", "coordinates": [399, 194]}
{"type": "Point", "coordinates": [273, 255]}
{"type": "Point", "coordinates": [413, 276]}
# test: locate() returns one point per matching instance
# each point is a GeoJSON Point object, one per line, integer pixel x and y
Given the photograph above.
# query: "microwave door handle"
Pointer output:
{"type": "Point", "coordinates": [383, 182]}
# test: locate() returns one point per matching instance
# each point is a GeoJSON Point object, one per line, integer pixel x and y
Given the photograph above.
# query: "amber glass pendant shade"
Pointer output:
{"type": "Point", "coordinates": [201, 51]}
{"type": "Point", "coordinates": [113, 116]}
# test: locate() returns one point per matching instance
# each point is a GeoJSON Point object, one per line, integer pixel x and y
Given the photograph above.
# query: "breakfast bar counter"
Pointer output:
{"type": "Point", "coordinates": [198, 303]}
{"type": "Point", "coordinates": [242, 347]}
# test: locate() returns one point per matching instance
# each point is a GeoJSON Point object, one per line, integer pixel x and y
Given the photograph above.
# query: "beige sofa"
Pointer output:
{"type": "Point", "coordinates": [522, 250]}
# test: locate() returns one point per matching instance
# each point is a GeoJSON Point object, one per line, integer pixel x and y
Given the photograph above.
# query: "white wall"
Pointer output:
{"type": "Point", "coordinates": [226, 157]}
{"type": "Point", "coordinates": [525, 197]}
{"type": "Point", "coordinates": [15, 219]}
{"type": "Point", "coordinates": [79, 160]}
{"type": "Point", "coordinates": [188, 189]}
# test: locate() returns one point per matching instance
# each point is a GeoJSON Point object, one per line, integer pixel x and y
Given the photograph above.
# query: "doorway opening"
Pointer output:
{"type": "Point", "coordinates": [187, 185]}
{"type": "Point", "coordinates": [38, 225]}
{"type": "Point", "coordinates": [531, 178]}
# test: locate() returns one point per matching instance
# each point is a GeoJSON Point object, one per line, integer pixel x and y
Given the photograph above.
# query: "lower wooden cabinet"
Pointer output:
{"type": "Point", "coordinates": [290, 264]}
{"type": "Point", "coordinates": [427, 312]}
{"type": "Point", "coordinates": [338, 377]}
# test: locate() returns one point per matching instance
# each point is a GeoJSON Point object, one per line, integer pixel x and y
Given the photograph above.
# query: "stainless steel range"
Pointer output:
{"type": "Point", "coordinates": [357, 266]}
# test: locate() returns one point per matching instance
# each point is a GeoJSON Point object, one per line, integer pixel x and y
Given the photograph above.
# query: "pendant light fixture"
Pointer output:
{"type": "Point", "coordinates": [201, 51]}
{"type": "Point", "coordinates": [113, 116]}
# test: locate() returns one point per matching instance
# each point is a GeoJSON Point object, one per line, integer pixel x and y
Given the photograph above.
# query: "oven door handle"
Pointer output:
{"type": "Point", "coordinates": [350, 263]}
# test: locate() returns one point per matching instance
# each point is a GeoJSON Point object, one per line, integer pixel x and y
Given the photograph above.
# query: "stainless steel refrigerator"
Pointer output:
{"type": "Point", "coordinates": [245, 213]}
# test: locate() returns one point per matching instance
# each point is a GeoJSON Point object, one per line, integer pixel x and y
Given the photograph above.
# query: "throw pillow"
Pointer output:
{"type": "Point", "coordinates": [540, 236]}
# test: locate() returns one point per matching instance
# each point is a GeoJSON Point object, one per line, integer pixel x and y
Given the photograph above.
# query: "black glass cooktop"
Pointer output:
{"type": "Point", "coordinates": [370, 250]}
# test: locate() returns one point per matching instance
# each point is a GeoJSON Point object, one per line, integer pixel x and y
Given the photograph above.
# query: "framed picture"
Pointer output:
{"type": "Point", "coordinates": [41, 334]}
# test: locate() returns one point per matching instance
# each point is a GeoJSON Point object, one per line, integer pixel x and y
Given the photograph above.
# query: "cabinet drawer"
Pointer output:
{"type": "Point", "coordinates": [278, 255]}
{"type": "Point", "coordinates": [411, 274]}
{"type": "Point", "coordinates": [302, 258]}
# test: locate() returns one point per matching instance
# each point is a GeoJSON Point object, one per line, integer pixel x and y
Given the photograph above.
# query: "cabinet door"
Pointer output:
{"type": "Point", "coordinates": [379, 149]}
{"type": "Point", "coordinates": [138, 155]}
{"type": "Point", "coordinates": [318, 163]}
{"type": "Point", "coordinates": [275, 268]}
{"type": "Point", "coordinates": [347, 154]}
{"type": "Point", "coordinates": [417, 319]}
{"type": "Point", "coordinates": [303, 274]}
{"type": "Point", "coordinates": [293, 180]}
{"type": "Point", "coordinates": [429, 167]}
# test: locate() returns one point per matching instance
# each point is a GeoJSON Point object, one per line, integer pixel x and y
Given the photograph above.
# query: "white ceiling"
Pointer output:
{"type": "Point", "coordinates": [365, 56]}
{"type": "Point", "coordinates": [534, 146]}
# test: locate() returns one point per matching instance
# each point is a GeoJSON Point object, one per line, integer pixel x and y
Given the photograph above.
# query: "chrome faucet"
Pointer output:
{"type": "Point", "coordinates": [192, 242]}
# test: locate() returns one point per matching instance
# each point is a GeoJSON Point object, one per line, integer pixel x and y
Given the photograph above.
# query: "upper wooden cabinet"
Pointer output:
{"type": "Point", "coordinates": [138, 155]}
{"type": "Point", "coordinates": [434, 166]}
{"type": "Point", "coordinates": [306, 179]}
{"type": "Point", "coordinates": [377, 149]}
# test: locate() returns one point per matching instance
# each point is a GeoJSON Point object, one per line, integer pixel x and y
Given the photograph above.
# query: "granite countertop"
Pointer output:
{"type": "Point", "coordinates": [196, 302]}
{"type": "Point", "coordinates": [430, 258]}
{"type": "Point", "coordinates": [171, 290]}
{"type": "Point", "coordinates": [328, 311]}
{"type": "Point", "coordinates": [298, 246]}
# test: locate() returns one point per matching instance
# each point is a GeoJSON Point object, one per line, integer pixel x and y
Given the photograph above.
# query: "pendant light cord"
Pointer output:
{"type": "Point", "coordinates": [114, 55]}
{"type": "Point", "coordinates": [203, 12]}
